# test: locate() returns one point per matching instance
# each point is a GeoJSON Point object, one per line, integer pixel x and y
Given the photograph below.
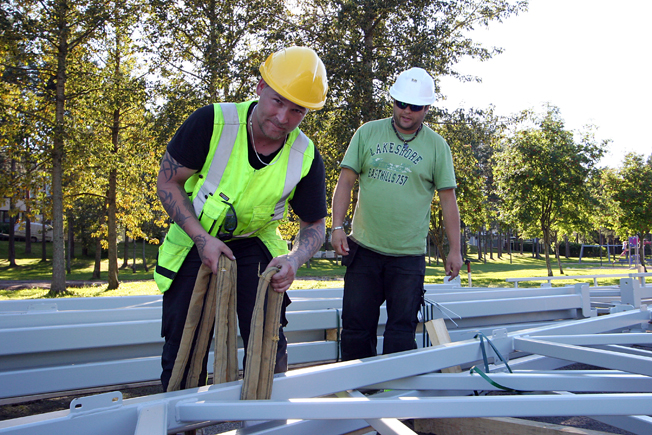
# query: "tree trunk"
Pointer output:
{"type": "Point", "coordinates": [567, 246]}
{"type": "Point", "coordinates": [546, 247]}
{"type": "Point", "coordinates": [70, 247]}
{"type": "Point", "coordinates": [479, 245]}
{"type": "Point", "coordinates": [561, 270]}
{"type": "Point", "coordinates": [491, 245]}
{"type": "Point", "coordinates": [58, 284]}
{"type": "Point", "coordinates": [133, 263]}
{"type": "Point", "coordinates": [97, 269]}
{"type": "Point", "coordinates": [641, 252]}
{"type": "Point", "coordinates": [484, 243]}
{"type": "Point", "coordinates": [439, 241]}
{"type": "Point", "coordinates": [11, 254]}
{"type": "Point", "coordinates": [43, 243]}
{"type": "Point", "coordinates": [464, 245]}
{"type": "Point", "coordinates": [509, 245]}
{"type": "Point", "coordinates": [125, 261]}
{"type": "Point", "coordinates": [28, 233]}
{"type": "Point", "coordinates": [145, 258]}
{"type": "Point", "coordinates": [113, 232]}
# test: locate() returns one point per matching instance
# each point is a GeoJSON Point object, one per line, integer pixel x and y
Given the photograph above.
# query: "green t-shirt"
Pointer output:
{"type": "Point", "coordinates": [397, 184]}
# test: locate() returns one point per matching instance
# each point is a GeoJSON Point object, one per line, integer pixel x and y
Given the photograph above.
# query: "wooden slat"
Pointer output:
{"type": "Point", "coordinates": [438, 334]}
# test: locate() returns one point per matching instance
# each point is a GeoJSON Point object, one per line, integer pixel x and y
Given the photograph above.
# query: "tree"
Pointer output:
{"type": "Point", "coordinates": [56, 31]}
{"type": "Point", "coordinates": [469, 134]}
{"type": "Point", "coordinates": [21, 159]}
{"type": "Point", "coordinates": [119, 148]}
{"type": "Point", "coordinates": [628, 190]}
{"type": "Point", "coordinates": [365, 44]}
{"type": "Point", "coordinates": [208, 51]}
{"type": "Point", "coordinates": [541, 175]}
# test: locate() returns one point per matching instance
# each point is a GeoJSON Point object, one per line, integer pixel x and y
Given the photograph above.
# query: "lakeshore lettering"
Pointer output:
{"type": "Point", "coordinates": [398, 149]}
{"type": "Point", "coordinates": [393, 176]}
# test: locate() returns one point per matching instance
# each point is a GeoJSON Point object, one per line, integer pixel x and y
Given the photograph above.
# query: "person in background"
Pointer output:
{"type": "Point", "coordinates": [399, 163]}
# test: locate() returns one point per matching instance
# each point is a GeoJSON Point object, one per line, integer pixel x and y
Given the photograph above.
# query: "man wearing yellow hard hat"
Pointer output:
{"type": "Point", "coordinates": [227, 178]}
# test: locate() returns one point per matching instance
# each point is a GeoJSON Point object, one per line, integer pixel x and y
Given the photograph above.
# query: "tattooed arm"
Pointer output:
{"type": "Point", "coordinates": [169, 184]}
{"type": "Point", "coordinates": [308, 241]}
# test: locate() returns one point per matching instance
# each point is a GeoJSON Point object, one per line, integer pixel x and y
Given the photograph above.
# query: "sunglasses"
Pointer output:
{"type": "Point", "coordinates": [413, 107]}
{"type": "Point", "coordinates": [229, 224]}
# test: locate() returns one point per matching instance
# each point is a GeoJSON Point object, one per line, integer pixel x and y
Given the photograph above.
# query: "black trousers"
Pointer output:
{"type": "Point", "coordinates": [252, 258]}
{"type": "Point", "coordinates": [372, 278]}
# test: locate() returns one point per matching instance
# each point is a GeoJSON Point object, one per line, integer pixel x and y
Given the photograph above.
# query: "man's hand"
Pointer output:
{"type": "Point", "coordinates": [339, 242]}
{"type": "Point", "coordinates": [210, 249]}
{"type": "Point", "coordinates": [453, 265]}
{"type": "Point", "coordinates": [283, 279]}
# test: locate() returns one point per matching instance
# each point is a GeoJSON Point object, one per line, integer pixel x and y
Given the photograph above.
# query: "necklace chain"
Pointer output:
{"type": "Point", "coordinates": [405, 141]}
{"type": "Point", "coordinates": [253, 144]}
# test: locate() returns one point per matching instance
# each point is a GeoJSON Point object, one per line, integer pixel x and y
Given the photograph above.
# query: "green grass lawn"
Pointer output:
{"type": "Point", "coordinates": [322, 273]}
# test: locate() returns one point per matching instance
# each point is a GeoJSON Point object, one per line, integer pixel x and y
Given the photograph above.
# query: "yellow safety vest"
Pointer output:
{"type": "Point", "coordinates": [259, 196]}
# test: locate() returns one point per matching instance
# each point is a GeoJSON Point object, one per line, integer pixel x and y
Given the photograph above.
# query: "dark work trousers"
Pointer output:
{"type": "Point", "coordinates": [371, 279]}
{"type": "Point", "coordinates": [252, 258]}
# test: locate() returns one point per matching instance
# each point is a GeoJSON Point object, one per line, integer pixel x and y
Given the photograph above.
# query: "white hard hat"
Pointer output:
{"type": "Point", "coordinates": [414, 86]}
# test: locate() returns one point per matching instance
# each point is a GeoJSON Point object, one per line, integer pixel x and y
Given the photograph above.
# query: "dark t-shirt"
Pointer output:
{"type": "Point", "coordinates": [191, 143]}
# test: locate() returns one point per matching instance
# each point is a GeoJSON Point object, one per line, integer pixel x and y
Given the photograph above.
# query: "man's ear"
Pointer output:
{"type": "Point", "coordinates": [261, 85]}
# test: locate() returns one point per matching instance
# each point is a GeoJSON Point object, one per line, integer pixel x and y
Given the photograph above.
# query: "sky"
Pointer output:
{"type": "Point", "coordinates": [590, 58]}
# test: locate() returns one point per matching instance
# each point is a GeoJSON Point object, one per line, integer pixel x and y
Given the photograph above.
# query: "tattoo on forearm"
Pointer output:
{"type": "Point", "coordinates": [169, 167]}
{"type": "Point", "coordinates": [179, 213]}
{"type": "Point", "coordinates": [200, 242]}
{"type": "Point", "coordinates": [309, 240]}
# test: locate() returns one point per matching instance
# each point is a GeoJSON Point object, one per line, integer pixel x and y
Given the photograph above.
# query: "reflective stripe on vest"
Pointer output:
{"type": "Point", "coordinates": [221, 157]}
{"type": "Point", "coordinates": [223, 153]}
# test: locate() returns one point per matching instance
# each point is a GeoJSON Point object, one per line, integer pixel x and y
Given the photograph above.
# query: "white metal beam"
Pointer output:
{"type": "Point", "coordinates": [601, 358]}
{"type": "Point", "coordinates": [579, 381]}
{"type": "Point", "coordinates": [414, 407]}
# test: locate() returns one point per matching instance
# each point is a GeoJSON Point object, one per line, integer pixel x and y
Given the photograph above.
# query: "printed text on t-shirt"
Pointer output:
{"type": "Point", "coordinates": [398, 149]}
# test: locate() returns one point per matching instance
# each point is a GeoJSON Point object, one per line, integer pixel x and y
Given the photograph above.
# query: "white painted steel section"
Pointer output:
{"type": "Point", "coordinates": [417, 407]}
{"type": "Point", "coordinates": [329, 379]}
{"type": "Point", "coordinates": [384, 426]}
{"type": "Point", "coordinates": [76, 349]}
{"type": "Point", "coordinates": [152, 419]}
{"type": "Point", "coordinates": [577, 381]}
{"type": "Point", "coordinates": [599, 339]}
{"type": "Point", "coordinates": [594, 277]}
{"type": "Point", "coordinates": [607, 359]}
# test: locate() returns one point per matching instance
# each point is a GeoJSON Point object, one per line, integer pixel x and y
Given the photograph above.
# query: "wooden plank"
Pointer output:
{"type": "Point", "coordinates": [438, 334]}
{"type": "Point", "coordinates": [495, 426]}
{"type": "Point", "coordinates": [333, 335]}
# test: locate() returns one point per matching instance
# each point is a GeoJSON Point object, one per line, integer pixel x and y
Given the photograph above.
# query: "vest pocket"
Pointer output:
{"type": "Point", "coordinates": [212, 214]}
{"type": "Point", "coordinates": [261, 216]}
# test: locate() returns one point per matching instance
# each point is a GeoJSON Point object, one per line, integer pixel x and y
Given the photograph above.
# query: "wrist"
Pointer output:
{"type": "Point", "coordinates": [338, 227]}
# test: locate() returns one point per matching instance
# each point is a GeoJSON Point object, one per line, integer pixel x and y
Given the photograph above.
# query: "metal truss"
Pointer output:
{"type": "Point", "coordinates": [83, 343]}
{"type": "Point", "coordinates": [303, 400]}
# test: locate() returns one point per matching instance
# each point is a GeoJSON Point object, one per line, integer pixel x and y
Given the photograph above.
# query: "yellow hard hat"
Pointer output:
{"type": "Point", "coordinates": [298, 74]}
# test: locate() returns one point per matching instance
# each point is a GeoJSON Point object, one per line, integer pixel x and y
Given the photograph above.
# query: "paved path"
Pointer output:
{"type": "Point", "coordinates": [25, 284]}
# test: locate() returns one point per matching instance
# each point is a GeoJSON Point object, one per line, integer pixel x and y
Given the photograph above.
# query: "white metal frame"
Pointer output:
{"type": "Point", "coordinates": [301, 394]}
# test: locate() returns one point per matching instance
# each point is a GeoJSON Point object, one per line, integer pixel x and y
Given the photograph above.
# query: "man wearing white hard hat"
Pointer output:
{"type": "Point", "coordinates": [399, 162]}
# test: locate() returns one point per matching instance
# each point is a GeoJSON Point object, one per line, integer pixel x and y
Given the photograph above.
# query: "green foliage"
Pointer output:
{"type": "Point", "coordinates": [541, 175]}
{"type": "Point", "coordinates": [207, 52]}
{"type": "Point", "coordinates": [365, 44]}
{"type": "Point", "coordinates": [628, 195]}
